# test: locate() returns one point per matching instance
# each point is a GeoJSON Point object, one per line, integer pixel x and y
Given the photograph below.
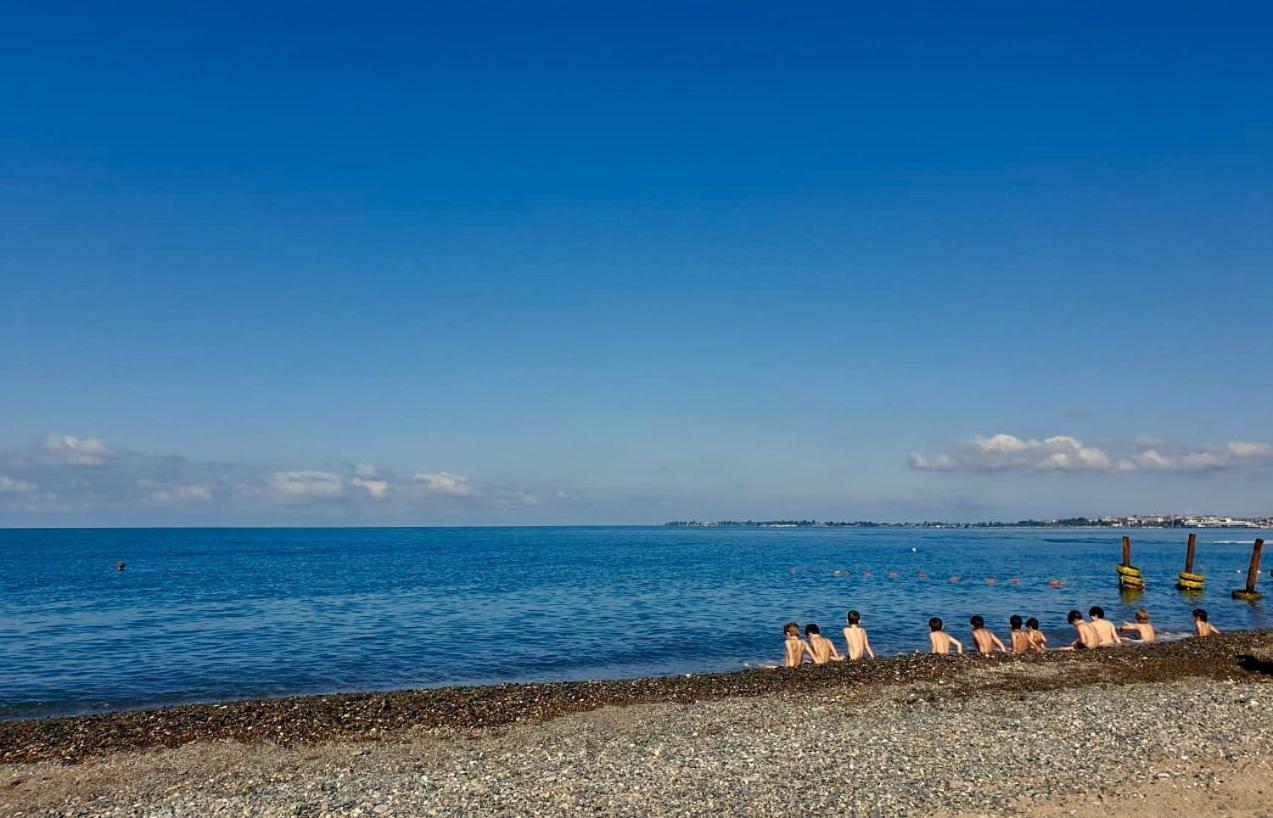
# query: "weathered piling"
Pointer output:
{"type": "Point", "coordinates": [1249, 594]}
{"type": "Point", "coordinates": [1129, 577]}
{"type": "Point", "coordinates": [1187, 580]}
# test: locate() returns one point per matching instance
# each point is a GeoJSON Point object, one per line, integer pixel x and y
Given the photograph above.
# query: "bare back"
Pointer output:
{"type": "Point", "coordinates": [822, 649]}
{"type": "Point", "coordinates": [856, 643]}
{"type": "Point", "coordinates": [986, 641]}
{"type": "Point", "coordinates": [1105, 632]}
{"type": "Point", "coordinates": [940, 642]}
{"type": "Point", "coordinates": [1088, 637]}
{"type": "Point", "coordinates": [795, 649]}
{"type": "Point", "coordinates": [1144, 631]}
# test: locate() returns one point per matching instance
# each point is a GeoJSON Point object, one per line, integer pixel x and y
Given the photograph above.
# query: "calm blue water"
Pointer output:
{"type": "Point", "coordinates": [223, 613]}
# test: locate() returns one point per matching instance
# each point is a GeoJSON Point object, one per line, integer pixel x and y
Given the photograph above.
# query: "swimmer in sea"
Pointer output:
{"type": "Point", "coordinates": [939, 641]}
{"type": "Point", "coordinates": [1087, 638]}
{"type": "Point", "coordinates": [794, 648]}
{"type": "Point", "coordinates": [985, 640]}
{"type": "Point", "coordinates": [856, 643]}
{"type": "Point", "coordinates": [1038, 640]}
{"type": "Point", "coordinates": [1105, 630]}
{"type": "Point", "coordinates": [822, 648]}
{"type": "Point", "coordinates": [1201, 626]}
{"type": "Point", "coordinates": [1020, 638]}
{"type": "Point", "coordinates": [1141, 627]}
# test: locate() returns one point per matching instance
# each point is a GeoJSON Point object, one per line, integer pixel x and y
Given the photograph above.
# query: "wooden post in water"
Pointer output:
{"type": "Point", "coordinates": [1129, 578]}
{"type": "Point", "coordinates": [1249, 594]}
{"type": "Point", "coordinates": [1187, 580]}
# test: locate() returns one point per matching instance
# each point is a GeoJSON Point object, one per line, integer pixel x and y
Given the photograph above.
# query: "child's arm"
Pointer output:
{"type": "Point", "coordinates": [959, 646]}
{"type": "Point", "coordinates": [808, 651]}
{"type": "Point", "coordinates": [998, 643]}
{"type": "Point", "coordinates": [835, 654]}
{"type": "Point", "coordinates": [1117, 639]}
{"type": "Point", "coordinates": [866, 645]}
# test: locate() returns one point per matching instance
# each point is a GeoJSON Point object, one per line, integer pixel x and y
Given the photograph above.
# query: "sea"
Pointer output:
{"type": "Point", "coordinates": [203, 615]}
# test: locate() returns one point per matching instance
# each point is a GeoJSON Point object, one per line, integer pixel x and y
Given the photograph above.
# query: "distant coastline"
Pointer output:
{"type": "Point", "coordinates": [1154, 521]}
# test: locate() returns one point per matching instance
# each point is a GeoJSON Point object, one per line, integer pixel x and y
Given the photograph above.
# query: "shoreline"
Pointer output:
{"type": "Point", "coordinates": [376, 716]}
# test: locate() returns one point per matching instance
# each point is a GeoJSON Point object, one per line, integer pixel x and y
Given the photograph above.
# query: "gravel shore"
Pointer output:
{"type": "Point", "coordinates": [970, 736]}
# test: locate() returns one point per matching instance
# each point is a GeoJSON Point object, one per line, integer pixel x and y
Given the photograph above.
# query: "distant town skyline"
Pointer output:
{"type": "Point", "coordinates": [627, 263]}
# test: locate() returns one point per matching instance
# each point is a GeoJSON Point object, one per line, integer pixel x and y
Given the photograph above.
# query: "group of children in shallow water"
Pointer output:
{"type": "Point", "coordinates": [1026, 636]}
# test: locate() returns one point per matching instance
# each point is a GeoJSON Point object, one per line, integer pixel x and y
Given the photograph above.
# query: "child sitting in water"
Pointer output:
{"type": "Point", "coordinates": [1200, 624]}
{"type": "Point", "coordinates": [1021, 642]}
{"type": "Point", "coordinates": [983, 639]}
{"type": "Point", "coordinates": [1038, 640]}
{"type": "Point", "coordinates": [939, 641]}
{"type": "Point", "coordinates": [1141, 627]}
{"type": "Point", "coordinates": [822, 649]}
{"type": "Point", "coordinates": [1087, 638]}
{"type": "Point", "coordinates": [794, 648]}
{"type": "Point", "coordinates": [856, 643]}
{"type": "Point", "coordinates": [1104, 628]}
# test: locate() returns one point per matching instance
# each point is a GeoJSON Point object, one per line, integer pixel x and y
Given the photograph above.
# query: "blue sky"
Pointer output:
{"type": "Point", "coordinates": [530, 263]}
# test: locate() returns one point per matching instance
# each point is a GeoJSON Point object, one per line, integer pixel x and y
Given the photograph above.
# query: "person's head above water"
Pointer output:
{"type": "Point", "coordinates": [1074, 616]}
{"type": "Point", "coordinates": [1014, 622]}
{"type": "Point", "coordinates": [791, 629]}
{"type": "Point", "coordinates": [1142, 615]}
{"type": "Point", "coordinates": [1096, 612]}
{"type": "Point", "coordinates": [812, 630]}
{"type": "Point", "coordinates": [854, 617]}
{"type": "Point", "coordinates": [935, 624]}
{"type": "Point", "coordinates": [1200, 614]}
{"type": "Point", "coordinates": [1032, 624]}
{"type": "Point", "coordinates": [977, 622]}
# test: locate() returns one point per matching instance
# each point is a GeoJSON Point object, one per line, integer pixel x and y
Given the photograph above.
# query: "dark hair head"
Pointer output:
{"type": "Point", "coordinates": [1015, 622]}
{"type": "Point", "coordinates": [811, 629]}
{"type": "Point", "coordinates": [1073, 617]}
{"type": "Point", "coordinates": [1200, 614]}
{"type": "Point", "coordinates": [790, 627]}
{"type": "Point", "coordinates": [854, 617]}
{"type": "Point", "coordinates": [1096, 612]}
{"type": "Point", "coordinates": [935, 624]}
{"type": "Point", "coordinates": [1032, 623]}
{"type": "Point", "coordinates": [977, 622]}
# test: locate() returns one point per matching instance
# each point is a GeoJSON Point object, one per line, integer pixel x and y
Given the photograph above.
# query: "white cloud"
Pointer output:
{"type": "Point", "coordinates": [368, 479]}
{"type": "Point", "coordinates": [182, 494]}
{"type": "Point", "coordinates": [1004, 452]}
{"type": "Point", "coordinates": [444, 483]}
{"type": "Point", "coordinates": [306, 483]}
{"type": "Point", "coordinates": [74, 451]}
{"type": "Point", "coordinates": [376, 489]}
{"type": "Point", "coordinates": [1244, 450]}
{"type": "Point", "coordinates": [10, 485]}
{"type": "Point", "coordinates": [514, 500]}
{"type": "Point", "coordinates": [69, 475]}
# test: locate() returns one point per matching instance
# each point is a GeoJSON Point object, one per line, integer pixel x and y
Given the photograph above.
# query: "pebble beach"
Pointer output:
{"type": "Point", "coordinates": [1158, 729]}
